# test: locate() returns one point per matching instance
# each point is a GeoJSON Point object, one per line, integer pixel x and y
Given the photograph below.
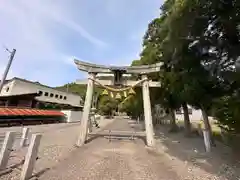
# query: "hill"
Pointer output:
{"type": "Point", "coordinates": [77, 89]}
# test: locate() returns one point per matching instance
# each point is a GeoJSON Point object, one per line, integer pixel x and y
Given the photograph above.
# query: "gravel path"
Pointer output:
{"type": "Point", "coordinates": [174, 158]}
{"type": "Point", "coordinates": [118, 160]}
{"type": "Point", "coordinates": [57, 144]}
{"type": "Point", "coordinates": [44, 128]}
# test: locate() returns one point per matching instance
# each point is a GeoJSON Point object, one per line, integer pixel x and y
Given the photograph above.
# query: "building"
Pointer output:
{"type": "Point", "coordinates": [23, 89]}
{"type": "Point", "coordinates": [194, 114]}
{"type": "Point", "coordinates": [24, 102]}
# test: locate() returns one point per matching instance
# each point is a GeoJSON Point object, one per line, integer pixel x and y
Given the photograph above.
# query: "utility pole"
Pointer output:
{"type": "Point", "coordinates": [7, 68]}
{"type": "Point", "coordinates": [67, 87]}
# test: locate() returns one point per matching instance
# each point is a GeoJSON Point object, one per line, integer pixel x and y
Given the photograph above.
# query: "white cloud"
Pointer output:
{"type": "Point", "coordinates": [54, 12]}
{"type": "Point", "coordinates": [28, 26]}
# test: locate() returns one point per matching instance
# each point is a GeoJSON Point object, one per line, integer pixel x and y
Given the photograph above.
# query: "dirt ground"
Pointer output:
{"type": "Point", "coordinates": [175, 157]}
{"type": "Point", "coordinates": [183, 152]}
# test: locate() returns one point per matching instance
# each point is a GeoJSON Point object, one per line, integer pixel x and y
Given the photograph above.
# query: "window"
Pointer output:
{"type": "Point", "coordinates": [46, 94]}
{"type": "Point", "coordinates": [64, 97]}
{"type": "Point", "coordinates": [39, 93]}
{"type": "Point", "coordinates": [7, 89]}
{"type": "Point", "coordinates": [51, 95]}
{"type": "Point", "coordinates": [61, 97]}
{"type": "Point", "coordinates": [56, 96]}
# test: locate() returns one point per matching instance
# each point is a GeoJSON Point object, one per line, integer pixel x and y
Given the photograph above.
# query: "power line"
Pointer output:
{"type": "Point", "coordinates": [5, 48]}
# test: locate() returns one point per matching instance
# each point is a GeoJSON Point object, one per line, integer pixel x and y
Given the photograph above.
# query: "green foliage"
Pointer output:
{"type": "Point", "coordinates": [107, 105]}
{"type": "Point", "coordinates": [227, 111]}
{"type": "Point", "coordinates": [134, 105]}
{"type": "Point", "coordinates": [74, 88]}
{"type": "Point", "coordinates": [78, 89]}
{"type": "Point", "coordinates": [198, 42]}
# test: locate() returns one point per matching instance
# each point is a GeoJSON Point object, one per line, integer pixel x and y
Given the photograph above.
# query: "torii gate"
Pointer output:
{"type": "Point", "coordinates": [118, 72]}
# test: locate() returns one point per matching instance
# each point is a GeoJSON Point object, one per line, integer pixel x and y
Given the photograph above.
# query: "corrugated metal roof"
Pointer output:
{"type": "Point", "coordinates": [19, 95]}
{"type": "Point", "coordinates": [28, 112]}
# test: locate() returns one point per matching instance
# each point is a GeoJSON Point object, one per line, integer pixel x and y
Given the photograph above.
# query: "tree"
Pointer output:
{"type": "Point", "coordinates": [107, 105]}
{"type": "Point", "coordinates": [133, 105]}
{"type": "Point", "coordinates": [197, 41]}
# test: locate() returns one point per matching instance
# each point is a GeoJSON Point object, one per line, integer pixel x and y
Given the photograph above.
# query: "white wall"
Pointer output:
{"type": "Point", "coordinates": [20, 87]}
{"type": "Point", "coordinates": [7, 88]}
{"type": "Point", "coordinates": [72, 116]}
{"type": "Point", "coordinates": [195, 116]}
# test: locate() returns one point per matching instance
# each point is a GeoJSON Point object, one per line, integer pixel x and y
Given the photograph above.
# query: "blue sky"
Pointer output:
{"type": "Point", "coordinates": [49, 34]}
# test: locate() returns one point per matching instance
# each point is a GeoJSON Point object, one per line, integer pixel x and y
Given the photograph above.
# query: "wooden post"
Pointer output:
{"type": "Point", "coordinates": [30, 157]}
{"type": "Point", "coordinates": [23, 141]}
{"type": "Point", "coordinates": [6, 149]}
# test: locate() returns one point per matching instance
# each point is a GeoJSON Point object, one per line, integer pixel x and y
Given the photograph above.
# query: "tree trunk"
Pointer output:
{"type": "Point", "coordinates": [187, 124]}
{"type": "Point", "coordinates": [208, 138]}
{"type": "Point", "coordinates": [173, 124]}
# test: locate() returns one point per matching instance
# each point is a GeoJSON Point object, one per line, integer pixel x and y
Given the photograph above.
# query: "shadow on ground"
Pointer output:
{"type": "Point", "coordinates": [130, 126]}
{"type": "Point", "coordinates": [221, 161]}
{"type": "Point", "coordinates": [40, 173]}
{"type": "Point", "coordinates": [119, 137]}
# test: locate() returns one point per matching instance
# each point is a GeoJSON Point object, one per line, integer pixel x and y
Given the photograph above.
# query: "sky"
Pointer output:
{"type": "Point", "coordinates": [49, 34]}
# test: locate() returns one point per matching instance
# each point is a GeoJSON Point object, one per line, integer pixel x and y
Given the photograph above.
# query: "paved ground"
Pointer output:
{"type": "Point", "coordinates": [45, 128]}
{"type": "Point", "coordinates": [57, 143]}
{"type": "Point", "coordinates": [116, 160]}
{"type": "Point", "coordinates": [175, 157]}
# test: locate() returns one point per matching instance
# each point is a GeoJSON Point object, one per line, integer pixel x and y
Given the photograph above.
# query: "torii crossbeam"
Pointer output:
{"type": "Point", "coordinates": [116, 80]}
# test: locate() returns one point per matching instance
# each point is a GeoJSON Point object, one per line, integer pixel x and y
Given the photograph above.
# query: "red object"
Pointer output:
{"type": "Point", "coordinates": [28, 112]}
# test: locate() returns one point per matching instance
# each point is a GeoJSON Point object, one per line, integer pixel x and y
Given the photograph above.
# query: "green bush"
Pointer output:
{"type": "Point", "coordinates": [227, 112]}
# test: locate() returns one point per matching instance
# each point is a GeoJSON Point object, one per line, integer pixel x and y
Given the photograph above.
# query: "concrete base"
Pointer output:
{"type": "Point", "coordinates": [6, 149]}
{"type": "Point", "coordinates": [24, 138]}
{"type": "Point", "coordinates": [31, 157]}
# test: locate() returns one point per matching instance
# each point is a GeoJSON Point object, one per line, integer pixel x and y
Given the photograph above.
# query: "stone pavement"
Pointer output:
{"type": "Point", "coordinates": [56, 145]}
{"type": "Point", "coordinates": [44, 128]}
{"type": "Point", "coordinates": [116, 160]}
{"type": "Point", "coordinates": [175, 156]}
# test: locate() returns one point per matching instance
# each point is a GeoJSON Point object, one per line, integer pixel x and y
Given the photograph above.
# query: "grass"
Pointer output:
{"type": "Point", "coordinates": [226, 138]}
{"type": "Point", "coordinates": [196, 124]}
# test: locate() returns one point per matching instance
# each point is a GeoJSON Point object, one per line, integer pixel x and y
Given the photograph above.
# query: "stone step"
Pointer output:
{"type": "Point", "coordinates": [118, 133]}
{"type": "Point", "coordinates": [119, 138]}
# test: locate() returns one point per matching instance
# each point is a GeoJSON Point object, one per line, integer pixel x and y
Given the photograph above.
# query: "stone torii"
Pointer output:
{"type": "Point", "coordinates": [118, 72]}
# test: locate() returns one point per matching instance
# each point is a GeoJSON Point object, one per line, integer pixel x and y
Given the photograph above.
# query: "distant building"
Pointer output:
{"type": "Point", "coordinates": [194, 114]}
{"type": "Point", "coordinates": [21, 92]}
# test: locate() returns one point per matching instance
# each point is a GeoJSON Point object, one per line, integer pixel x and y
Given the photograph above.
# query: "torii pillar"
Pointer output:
{"type": "Point", "coordinates": [147, 112]}
{"type": "Point", "coordinates": [94, 69]}
{"type": "Point", "coordinates": [86, 110]}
